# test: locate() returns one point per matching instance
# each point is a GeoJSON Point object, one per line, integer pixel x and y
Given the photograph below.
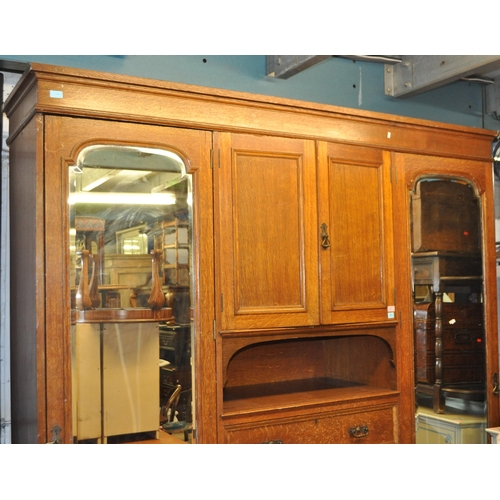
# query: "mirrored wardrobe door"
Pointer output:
{"type": "Point", "coordinates": [448, 311]}
{"type": "Point", "coordinates": [131, 265]}
{"type": "Point", "coordinates": [449, 290]}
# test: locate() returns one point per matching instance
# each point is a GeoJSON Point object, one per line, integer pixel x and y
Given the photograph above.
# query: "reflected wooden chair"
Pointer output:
{"type": "Point", "coordinates": [170, 404]}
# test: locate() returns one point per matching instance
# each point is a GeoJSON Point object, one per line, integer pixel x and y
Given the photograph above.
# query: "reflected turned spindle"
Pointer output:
{"type": "Point", "coordinates": [82, 298]}
{"type": "Point", "coordinates": [156, 299]}
{"type": "Point", "coordinates": [94, 281]}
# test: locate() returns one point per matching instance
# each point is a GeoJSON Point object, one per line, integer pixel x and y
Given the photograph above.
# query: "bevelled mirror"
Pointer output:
{"type": "Point", "coordinates": [448, 312]}
{"type": "Point", "coordinates": [130, 254]}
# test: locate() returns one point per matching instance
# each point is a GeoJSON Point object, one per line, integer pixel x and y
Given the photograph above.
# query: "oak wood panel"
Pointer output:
{"type": "Point", "coordinates": [360, 359]}
{"type": "Point", "coordinates": [275, 362]}
{"type": "Point", "coordinates": [331, 425]}
{"type": "Point", "coordinates": [340, 396]}
{"type": "Point", "coordinates": [365, 360]}
{"type": "Point", "coordinates": [232, 341]}
{"type": "Point", "coordinates": [57, 302]}
{"type": "Point", "coordinates": [104, 95]}
{"type": "Point", "coordinates": [203, 296]}
{"type": "Point", "coordinates": [355, 203]}
{"type": "Point", "coordinates": [267, 255]}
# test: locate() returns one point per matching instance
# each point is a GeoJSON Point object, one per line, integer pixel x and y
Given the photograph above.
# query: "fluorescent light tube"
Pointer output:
{"type": "Point", "coordinates": [122, 198]}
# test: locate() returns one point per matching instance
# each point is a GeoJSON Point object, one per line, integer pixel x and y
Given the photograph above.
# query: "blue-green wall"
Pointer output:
{"type": "Point", "coordinates": [335, 81]}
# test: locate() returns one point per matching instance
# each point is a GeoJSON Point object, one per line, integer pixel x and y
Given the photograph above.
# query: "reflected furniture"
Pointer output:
{"type": "Point", "coordinates": [449, 337]}
{"type": "Point", "coordinates": [175, 348]}
{"type": "Point", "coordinates": [494, 433]}
{"type": "Point", "coordinates": [115, 377]}
{"type": "Point", "coordinates": [451, 428]}
{"type": "Point", "coordinates": [175, 246]}
{"type": "Point", "coordinates": [449, 324]}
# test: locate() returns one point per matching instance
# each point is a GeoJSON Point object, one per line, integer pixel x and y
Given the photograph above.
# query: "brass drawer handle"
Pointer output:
{"type": "Point", "coordinates": [325, 239]}
{"type": "Point", "coordinates": [359, 432]}
{"type": "Point", "coordinates": [273, 441]}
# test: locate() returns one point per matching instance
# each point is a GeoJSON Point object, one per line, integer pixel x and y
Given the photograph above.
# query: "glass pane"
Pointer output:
{"type": "Point", "coordinates": [449, 336]}
{"type": "Point", "coordinates": [130, 277]}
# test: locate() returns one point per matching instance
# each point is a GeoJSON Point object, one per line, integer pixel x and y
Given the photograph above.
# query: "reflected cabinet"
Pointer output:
{"type": "Point", "coordinates": [217, 267]}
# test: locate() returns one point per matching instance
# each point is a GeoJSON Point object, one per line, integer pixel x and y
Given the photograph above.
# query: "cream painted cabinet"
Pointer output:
{"type": "Point", "coordinates": [115, 374]}
{"type": "Point", "coordinates": [130, 378]}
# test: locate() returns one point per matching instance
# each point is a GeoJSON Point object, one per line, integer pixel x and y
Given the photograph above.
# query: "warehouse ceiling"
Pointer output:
{"type": "Point", "coordinates": [406, 76]}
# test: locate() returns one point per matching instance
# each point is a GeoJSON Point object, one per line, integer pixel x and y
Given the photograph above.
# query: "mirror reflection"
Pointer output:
{"type": "Point", "coordinates": [130, 252]}
{"type": "Point", "coordinates": [449, 339]}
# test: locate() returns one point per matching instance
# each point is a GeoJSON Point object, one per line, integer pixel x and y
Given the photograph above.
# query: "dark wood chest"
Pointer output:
{"type": "Point", "coordinates": [463, 343]}
{"type": "Point", "coordinates": [445, 216]}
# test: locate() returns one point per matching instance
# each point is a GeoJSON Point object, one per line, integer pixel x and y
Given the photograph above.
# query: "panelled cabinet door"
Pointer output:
{"type": "Point", "coordinates": [355, 227]}
{"type": "Point", "coordinates": [267, 258]}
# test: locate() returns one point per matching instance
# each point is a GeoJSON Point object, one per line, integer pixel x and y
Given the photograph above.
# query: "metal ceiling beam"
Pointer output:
{"type": "Point", "coordinates": [417, 74]}
{"type": "Point", "coordinates": [287, 66]}
{"type": "Point", "coordinates": [13, 66]}
{"type": "Point", "coordinates": [375, 59]}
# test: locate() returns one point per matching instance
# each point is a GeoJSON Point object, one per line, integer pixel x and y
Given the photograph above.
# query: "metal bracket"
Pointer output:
{"type": "Point", "coordinates": [394, 74]}
{"type": "Point", "coordinates": [286, 66]}
{"type": "Point", "coordinates": [417, 74]}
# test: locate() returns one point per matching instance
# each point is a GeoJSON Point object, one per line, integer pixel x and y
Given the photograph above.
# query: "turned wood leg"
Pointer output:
{"type": "Point", "coordinates": [438, 398]}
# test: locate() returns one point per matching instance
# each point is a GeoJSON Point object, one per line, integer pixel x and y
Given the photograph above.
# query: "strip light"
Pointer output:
{"type": "Point", "coordinates": [122, 198]}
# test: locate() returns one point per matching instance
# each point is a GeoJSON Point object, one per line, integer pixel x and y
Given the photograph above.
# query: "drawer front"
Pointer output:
{"type": "Point", "coordinates": [459, 339]}
{"type": "Point", "coordinates": [377, 425]}
{"type": "Point", "coordinates": [458, 367]}
{"type": "Point", "coordinates": [171, 377]}
{"type": "Point", "coordinates": [168, 340]}
{"type": "Point", "coordinates": [423, 270]}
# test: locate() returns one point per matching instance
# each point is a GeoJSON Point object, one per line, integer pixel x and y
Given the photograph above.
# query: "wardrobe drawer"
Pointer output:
{"type": "Point", "coordinates": [376, 425]}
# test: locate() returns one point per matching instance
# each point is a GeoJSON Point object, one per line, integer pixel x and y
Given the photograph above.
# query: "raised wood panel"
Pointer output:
{"type": "Point", "coordinates": [268, 225]}
{"type": "Point", "coordinates": [268, 259]}
{"type": "Point", "coordinates": [355, 203]}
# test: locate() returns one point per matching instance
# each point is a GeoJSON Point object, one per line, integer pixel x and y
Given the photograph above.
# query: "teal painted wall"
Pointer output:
{"type": "Point", "coordinates": [336, 81]}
